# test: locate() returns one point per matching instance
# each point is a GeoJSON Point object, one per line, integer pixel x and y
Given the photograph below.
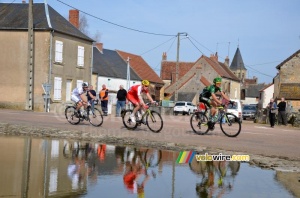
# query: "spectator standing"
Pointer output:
{"type": "Point", "coordinates": [282, 112]}
{"type": "Point", "coordinates": [103, 95]}
{"type": "Point", "coordinates": [91, 96]}
{"type": "Point", "coordinates": [272, 106]}
{"type": "Point", "coordinates": [121, 96]}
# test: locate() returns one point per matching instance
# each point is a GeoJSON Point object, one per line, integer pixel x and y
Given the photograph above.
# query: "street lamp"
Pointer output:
{"type": "Point", "coordinates": [177, 63]}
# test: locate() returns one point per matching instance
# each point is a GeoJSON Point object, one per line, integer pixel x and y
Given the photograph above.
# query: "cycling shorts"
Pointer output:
{"type": "Point", "coordinates": [134, 99]}
{"type": "Point", "coordinates": [75, 98]}
{"type": "Point", "coordinates": [205, 100]}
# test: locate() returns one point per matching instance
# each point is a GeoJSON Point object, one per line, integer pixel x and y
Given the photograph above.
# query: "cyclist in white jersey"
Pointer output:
{"type": "Point", "coordinates": [79, 96]}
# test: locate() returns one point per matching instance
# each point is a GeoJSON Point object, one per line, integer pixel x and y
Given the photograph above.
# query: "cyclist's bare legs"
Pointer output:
{"type": "Point", "coordinates": [80, 104]}
{"type": "Point", "coordinates": [136, 108]}
{"type": "Point", "coordinates": [213, 109]}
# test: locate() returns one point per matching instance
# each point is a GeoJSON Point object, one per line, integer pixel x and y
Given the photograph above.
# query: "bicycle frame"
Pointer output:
{"type": "Point", "coordinates": [151, 118]}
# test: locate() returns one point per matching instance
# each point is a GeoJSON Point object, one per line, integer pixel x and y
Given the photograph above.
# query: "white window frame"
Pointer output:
{"type": "Point", "coordinates": [57, 88]}
{"type": "Point", "coordinates": [79, 83]}
{"type": "Point", "coordinates": [59, 45]}
{"type": "Point", "coordinates": [80, 56]}
{"type": "Point", "coordinates": [68, 89]}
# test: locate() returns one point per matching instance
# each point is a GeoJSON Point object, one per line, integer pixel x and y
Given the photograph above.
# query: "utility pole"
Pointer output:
{"type": "Point", "coordinates": [177, 64]}
{"type": "Point", "coordinates": [30, 68]}
{"type": "Point", "coordinates": [128, 74]}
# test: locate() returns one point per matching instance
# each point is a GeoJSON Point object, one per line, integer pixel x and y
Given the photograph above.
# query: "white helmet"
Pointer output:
{"type": "Point", "coordinates": [85, 84]}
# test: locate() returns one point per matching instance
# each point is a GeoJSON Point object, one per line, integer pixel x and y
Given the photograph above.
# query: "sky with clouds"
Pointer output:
{"type": "Point", "coordinates": [266, 31]}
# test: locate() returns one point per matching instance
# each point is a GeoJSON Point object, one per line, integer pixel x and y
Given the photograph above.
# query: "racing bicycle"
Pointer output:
{"type": "Point", "coordinates": [230, 124]}
{"type": "Point", "coordinates": [150, 118]}
{"type": "Point", "coordinates": [94, 116]}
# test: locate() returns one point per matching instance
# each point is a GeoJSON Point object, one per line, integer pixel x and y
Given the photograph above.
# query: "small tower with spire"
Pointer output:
{"type": "Point", "coordinates": [237, 65]}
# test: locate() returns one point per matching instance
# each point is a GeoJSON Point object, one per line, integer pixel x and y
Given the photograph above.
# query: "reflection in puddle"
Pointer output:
{"type": "Point", "coordinates": [61, 168]}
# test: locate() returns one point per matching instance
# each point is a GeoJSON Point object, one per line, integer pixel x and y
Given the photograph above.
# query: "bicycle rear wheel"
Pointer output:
{"type": "Point", "coordinates": [198, 123]}
{"type": "Point", "coordinates": [127, 120]}
{"type": "Point", "coordinates": [154, 121]}
{"type": "Point", "coordinates": [230, 125]}
{"type": "Point", "coordinates": [95, 117]}
{"type": "Point", "coordinates": [71, 115]}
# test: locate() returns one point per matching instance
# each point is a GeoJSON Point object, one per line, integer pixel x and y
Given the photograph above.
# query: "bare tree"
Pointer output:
{"type": "Point", "coordinates": [97, 36]}
{"type": "Point", "coordinates": [83, 24]}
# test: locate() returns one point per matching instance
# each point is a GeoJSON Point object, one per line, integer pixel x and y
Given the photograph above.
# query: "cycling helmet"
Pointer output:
{"type": "Point", "coordinates": [85, 84]}
{"type": "Point", "coordinates": [145, 82]}
{"type": "Point", "coordinates": [217, 80]}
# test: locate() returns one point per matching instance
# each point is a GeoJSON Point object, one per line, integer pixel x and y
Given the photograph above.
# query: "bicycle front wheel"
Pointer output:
{"type": "Point", "coordinates": [230, 125]}
{"type": "Point", "coordinates": [127, 120]}
{"type": "Point", "coordinates": [71, 115]}
{"type": "Point", "coordinates": [152, 157]}
{"type": "Point", "coordinates": [95, 117]}
{"type": "Point", "coordinates": [154, 121]}
{"type": "Point", "coordinates": [198, 123]}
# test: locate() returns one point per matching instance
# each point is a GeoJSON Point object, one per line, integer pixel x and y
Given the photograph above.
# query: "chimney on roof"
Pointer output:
{"type": "Point", "coordinates": [74, 17]}
{"type": "Point", "coordinates": [23, 1]}
{"type": "Point", "coordinates": [226, 61]}
{"type": "Point", "coordinates": [99, 47]}
{"type": "Point", "coordinates": [255, 79]}
{"type": "Point", "coordinates": [214, 57]}
{"type": "Point", "coordinates": [164, 56]}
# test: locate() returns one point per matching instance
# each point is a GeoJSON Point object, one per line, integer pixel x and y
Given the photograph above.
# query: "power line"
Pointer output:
{"type": "Point", "coordinates": [128, 28]}
{"type": "Point", "coordinates": [195, 46]}
{"type": "Point", "coordinates": [159, 34]}
{"type": "Point", "coordinates": [159, 45]}
{"type": "Point", "coordinates": [266, 63]}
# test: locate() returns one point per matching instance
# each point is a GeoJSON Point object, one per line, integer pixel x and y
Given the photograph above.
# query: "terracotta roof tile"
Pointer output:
{"type": "Point", "coordinates": [204, 81]}
{"type": "Point", "coordinates": [221, 69]}
{"type": "Point", "coordinates": [168, 69]}
{"type": "Point", "coordinates": [140, 66]}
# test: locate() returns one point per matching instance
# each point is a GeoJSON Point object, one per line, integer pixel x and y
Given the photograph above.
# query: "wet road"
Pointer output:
{"type": "Point", "coordinates": [259, 139]}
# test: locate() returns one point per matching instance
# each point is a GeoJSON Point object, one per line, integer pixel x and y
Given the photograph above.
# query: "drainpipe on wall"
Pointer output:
{"type": "Point", "coordinates": [50, 71]}
{"type": "Point", "coordinates": [92, 57]}
{"type": "Point", "coordinates": [48, 92]}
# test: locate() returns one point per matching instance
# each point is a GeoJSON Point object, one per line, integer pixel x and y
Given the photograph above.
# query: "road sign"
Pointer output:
{"type": "Point", "coordinates": [47, 87]}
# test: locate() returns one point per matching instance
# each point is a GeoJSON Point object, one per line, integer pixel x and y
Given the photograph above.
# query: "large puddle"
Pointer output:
{"type": "Point", "coordinates": [59, 168]}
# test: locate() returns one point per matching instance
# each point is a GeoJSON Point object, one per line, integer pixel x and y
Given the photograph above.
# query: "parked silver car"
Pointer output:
{"type": "Point", "coordinates": [249, 111]}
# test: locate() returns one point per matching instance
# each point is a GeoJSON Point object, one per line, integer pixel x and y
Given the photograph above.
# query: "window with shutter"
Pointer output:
{"type": "Point", "coordinates": [80, 57]}
{"type": "Point", "coordinates": [58, 51]}
{"type": "Point", "coordinates": [57, 88]}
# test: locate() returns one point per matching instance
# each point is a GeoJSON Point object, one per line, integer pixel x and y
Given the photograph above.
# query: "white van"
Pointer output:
{"type": "Point", "coordinates": [236, 109]}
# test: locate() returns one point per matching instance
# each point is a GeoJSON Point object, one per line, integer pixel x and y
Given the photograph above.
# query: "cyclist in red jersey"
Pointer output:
{"type": "Point", "coordinates": [135, 97]}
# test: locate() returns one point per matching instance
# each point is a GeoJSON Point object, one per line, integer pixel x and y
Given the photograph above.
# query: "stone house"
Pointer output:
{"type": "Point", "coordinates": [198, 75]}
{"type": "Point", "coordinates": [60, 57]}
{"type": "Point", "coordinates": [287, 81]}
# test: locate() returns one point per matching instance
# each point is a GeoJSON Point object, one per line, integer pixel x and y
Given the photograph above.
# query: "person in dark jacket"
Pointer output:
{"type": "Point", "coordinates": [282, 112]}
{"type": "Point", "coordinates": [121, 96]}
{"type": "Point", "coordinates": [91, 96]}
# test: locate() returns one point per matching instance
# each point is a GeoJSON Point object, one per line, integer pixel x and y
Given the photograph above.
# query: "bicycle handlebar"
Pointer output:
{"type": "Point", "coordinates": [152, 104]}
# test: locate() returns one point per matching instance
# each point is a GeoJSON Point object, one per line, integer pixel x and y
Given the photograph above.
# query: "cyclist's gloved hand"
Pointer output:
{"type": "Point", "coordinates": [154, 102]}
